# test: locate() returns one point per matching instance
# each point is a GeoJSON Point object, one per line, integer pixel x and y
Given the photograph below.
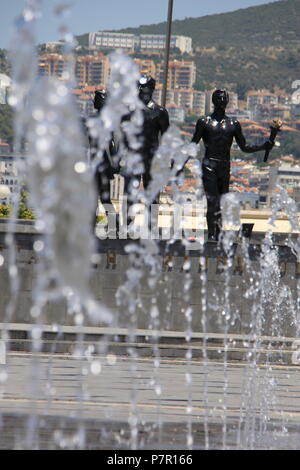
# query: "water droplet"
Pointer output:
{"type": "Point", "coordinates": [38, 114]}
{"type": "Point", "coordinates": [46, 163]}
{"type": "Point", "coordinates": [188, 378]}
{"type": "Point", "coordinates": [96, 367]}
{"type": "Point", "coordinates": [111, 359]}
{"type": "Point", "coordinates": [188, 355]}
{"type": "Point", "coordinates": [36, 332]}
{"type": "Point", "coordinates": [41, 129]}
{"type": "Point", "coordinates": [189, 440]}
{"type": "Point", "coordinates": [3, 376]}
{"type": "Point", "coordinates": [42, 144]}
{"type": "Point", "coordinates": [13, 271]}
{"type": "Point", "coordinates": [34, 311]}
{"type": "Point", "coordinates": [12, 100]}
{"type": "Point", "coordinates": [132, 420]}
{"type": "Point", "coordinates": [38, 245]}
{"type": "Point", "coordinates": [154, 312]}
{"type": "Point", "coordinates": [80, 167]}
{"type": "Point", "coordinates": [79, 319]}
{"type": "Point", "coordinates": [62, 90]}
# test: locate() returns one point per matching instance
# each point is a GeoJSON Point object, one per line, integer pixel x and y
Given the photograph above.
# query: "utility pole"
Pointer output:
{"type": "Point", "coordinates": [167, 53]}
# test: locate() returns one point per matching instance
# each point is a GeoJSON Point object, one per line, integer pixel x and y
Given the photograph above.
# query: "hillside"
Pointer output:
{"type": "Point", "coordinates": [271, 24]}
{"type": "Point", "coordinates": [256, 47]}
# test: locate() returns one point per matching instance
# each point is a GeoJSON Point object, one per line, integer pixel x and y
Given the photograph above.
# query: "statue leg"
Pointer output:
{"type": "Point", "coordinates": [213, 216]}
{"type": "Point", "coordinates": [210, 183]}
{"type": "Point", "coordinates": [223, 170]}
{"type": "Point", "coordinates": [131, 185]}
{"type": "Point", "coordinates": [102, 179]}
{"type": "Point", "coordinates": [153, 204]}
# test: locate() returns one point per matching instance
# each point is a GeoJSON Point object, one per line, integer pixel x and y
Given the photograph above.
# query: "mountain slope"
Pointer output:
{"type": "Point", "coordinates": [250, 48]}
{"type": "Point", "coordinates": [265, 25]}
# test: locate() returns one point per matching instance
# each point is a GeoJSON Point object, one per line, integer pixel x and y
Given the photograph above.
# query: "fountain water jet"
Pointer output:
{"type": "Point", "coordinates": [59, 178]}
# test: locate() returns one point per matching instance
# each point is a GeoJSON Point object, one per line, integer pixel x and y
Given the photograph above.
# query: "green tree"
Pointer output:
{"type": "Point", "coordinates": [6, 123]}
{"type": "Point", "coordinates": [4, 64]}
{"type": "Point", "coordinates": [24, 211]}
{"type": "Point", "coordinates": [4, 211]}
{"type": "Point", "coordinates": [291, 145]}
{"type": "Point", "coordinates": [200, 85]}
{"type": "Point", "coordinates": [191, 119]}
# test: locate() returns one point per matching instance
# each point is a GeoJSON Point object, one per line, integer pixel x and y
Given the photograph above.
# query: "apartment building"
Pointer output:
{"type": "Point", "coordinates": [286, 175]}
{"type": "Point", "coordinates": [192, 101]}
{"type": "Point", "coordinates": [154, 42]}
{"type": "Point", "coordinates": [146, 66]}
{"type": "Point", "coordinates": [51, 64]}
{"type": "Point", "coordinates": [92, 70]}
{"type": "Point", "coordinates": [260, 97]}
{"type": "Point", "coordinates": [5, 148]}
{"type": "Point", "coordinates": [143, 42]}
{"type": "Point", "coordinates": [181, 74]}
{"type": "Point", "coordinates": [54, 46]}
{"type": "Point", "coordinates": [5, 84]}
{"type": "Point", "coordinates": [157, 95]}
{"type": "Point", "coordinates": [295, 111]}
{"type": "Point", "coordinates": [176, 113]}
{"type": "Point", "coordinates": [109, 40]}
{"type": "Point", "coordinates": [8, 177]}
{"type": "Point", "coordinates": [89, 70]}
{"type": "Point", "coordinates": [264, 112]}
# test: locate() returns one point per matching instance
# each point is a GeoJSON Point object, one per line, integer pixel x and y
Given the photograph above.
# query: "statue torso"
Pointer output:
{"type": "Point", "coordinates": [218, 136]}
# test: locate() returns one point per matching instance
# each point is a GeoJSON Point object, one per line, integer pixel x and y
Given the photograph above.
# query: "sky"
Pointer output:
{"type": "Point", "coordinates": [94, 15]}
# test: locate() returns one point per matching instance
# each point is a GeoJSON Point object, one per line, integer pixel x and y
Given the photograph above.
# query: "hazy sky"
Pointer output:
{"type": "Point", "coordinates": [94, 15]}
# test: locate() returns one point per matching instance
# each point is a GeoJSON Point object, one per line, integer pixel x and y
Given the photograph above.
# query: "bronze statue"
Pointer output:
{"type": "Point", "coordinates": [105, 170]}
{"type": "Point", "coordinates": [218, 132]}
{"type": "Point", "coordinates": [156, 122]}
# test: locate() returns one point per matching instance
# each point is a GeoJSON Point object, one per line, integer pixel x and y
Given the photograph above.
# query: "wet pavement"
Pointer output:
{"type": "Point", "coordinates": [110, 401]}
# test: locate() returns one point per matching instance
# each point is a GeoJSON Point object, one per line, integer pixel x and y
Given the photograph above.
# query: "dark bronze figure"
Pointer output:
{"type": "Point", "coordinates": [156, 122]}
{"type": "Point", "coordinates": [105, 170]}
{"type": "Point", "coordinates": [217, 132]}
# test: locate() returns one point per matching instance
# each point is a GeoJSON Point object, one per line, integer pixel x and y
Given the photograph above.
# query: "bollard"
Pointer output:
{"type": "Point", "coordinates": [168, 263]}
{"type": "Point", "coordinates": [111, 259]}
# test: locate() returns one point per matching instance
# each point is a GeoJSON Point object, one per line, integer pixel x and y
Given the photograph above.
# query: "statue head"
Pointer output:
{"type": "Point", "coordinates": [99, 99]}
{"type": "Point", "coordinates": [146, 86]}
{"type": "Point", "coordinates": [220, 99]}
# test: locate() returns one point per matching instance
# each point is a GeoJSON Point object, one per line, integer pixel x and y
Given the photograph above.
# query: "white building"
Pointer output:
{"type": "Point", "coordinates": [54, 46]}
{"type": "Point", "coordinates": [8, 176]}
{"type": "Point", "coordinates": [143, 42]}
{"type": "Point", "coordinates": [240, 114]}
{"type": "Point", "coordinates": [108, 40]}
{"type": "Point", "coordinates": [5, 195]}
{"type": "Point", "coordinates": [287, 176]}
{"type": "Point", "coordinates": [158, 42]}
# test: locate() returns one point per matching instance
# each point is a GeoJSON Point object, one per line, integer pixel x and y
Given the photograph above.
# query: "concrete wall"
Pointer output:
{"type": "Point", "coordinates": [187, 294]}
